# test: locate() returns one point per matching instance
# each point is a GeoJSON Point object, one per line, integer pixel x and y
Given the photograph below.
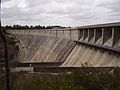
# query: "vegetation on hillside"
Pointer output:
{"type": "Point", "coordinates": [77, 80]}
{"type": "Point", "coordinates": [30, 27]}
{"type": "Point", "coordinates": [12, 48]}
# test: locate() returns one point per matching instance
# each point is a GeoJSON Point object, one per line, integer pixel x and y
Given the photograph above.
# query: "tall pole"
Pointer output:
{"type": "Point", "coordinates": [7, 70]}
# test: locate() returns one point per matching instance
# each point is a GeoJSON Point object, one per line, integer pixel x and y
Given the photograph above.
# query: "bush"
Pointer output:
{"type": "Point", "coordinates": [77, 80]}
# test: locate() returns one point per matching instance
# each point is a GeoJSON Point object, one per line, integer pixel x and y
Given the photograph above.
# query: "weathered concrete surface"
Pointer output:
{"type": "Point", "coordinates": [90, 57]}
{"type": "Point", "coordinates": [53, 49]}
{"type": "Point", "coordinates": [55, 45]}
{"type": "Point", "coordinates": [45, 48]}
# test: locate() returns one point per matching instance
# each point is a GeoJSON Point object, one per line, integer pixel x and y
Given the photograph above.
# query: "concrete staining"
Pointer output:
{"type": "Point", "coordinates": [53, 49]}
{"type": "Point", "coordinates": [87, 56]}
{"type": "Point", "coordinates": [45, 49]}
{"type": "Point", "coordinates": [92, 46]}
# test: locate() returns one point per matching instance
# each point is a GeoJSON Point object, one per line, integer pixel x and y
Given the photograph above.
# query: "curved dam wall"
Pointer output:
{"type": "Point", "coordinates": [105, 35]}
{"type": "Point", "coordinates": [92, 46]}
{"type": "Point", "coordinates": [45, 49]}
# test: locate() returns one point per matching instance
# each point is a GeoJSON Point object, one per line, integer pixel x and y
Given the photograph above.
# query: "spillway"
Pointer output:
{"type": "Point", "coordinates": [90, 46]}
{"type": "Point", "coordinates": [45, 49]}
{"type": "Point", "coordinates": [54, 49]}
{"type": "Point", "coordinates": [89, 57]}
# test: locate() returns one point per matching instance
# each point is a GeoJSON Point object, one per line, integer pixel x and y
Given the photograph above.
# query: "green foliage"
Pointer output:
{"type": "Point", "coordinates": [77, 80]}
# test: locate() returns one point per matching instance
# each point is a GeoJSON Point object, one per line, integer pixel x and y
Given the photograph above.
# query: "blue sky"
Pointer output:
{"type": "Point", "coordinates": [59, 12]}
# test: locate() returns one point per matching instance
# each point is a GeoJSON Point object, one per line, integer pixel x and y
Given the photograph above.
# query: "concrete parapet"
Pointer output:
{"type": "Point", "coordinates": [59, 34]}
{"type": "Point", "coordinates": [85, 35]}
{"type": "Point", "coordinates": [116, 37]}
{"type": "Point", "coordinates": [67, 34]}
{"type": "Point", "coordinates": [81, 35]}
{"type": "Point", "coordinates": [107, 35]}
{"type": "Point", "coordinates": [90, 35]}
{"type": "Point", "coordinates": [74, 35]}
{"type": "Point", "coordinates": [98, 32]}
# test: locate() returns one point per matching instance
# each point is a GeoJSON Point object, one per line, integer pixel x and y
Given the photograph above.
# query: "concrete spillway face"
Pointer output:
{"type": "Point", "coordinates": [91, 57]}
{"type": "Point", "coordinates": [41, 48]}
{"type": "Point", "coordinates": [45, 48]}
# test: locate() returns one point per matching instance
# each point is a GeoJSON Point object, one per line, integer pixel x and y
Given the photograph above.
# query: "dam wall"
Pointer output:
{"type": "Point", "coordinates": [92, 46]}
{"type": "Point", "coordinates": [88, 56]}
{"type": "Point", "coordinates": [106, 35]}
{"type": "Point", "coordinates": [45, 49]}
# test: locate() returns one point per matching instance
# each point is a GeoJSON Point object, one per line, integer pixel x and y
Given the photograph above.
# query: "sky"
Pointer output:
{"type": "Point", "coordinates": [59, 12]}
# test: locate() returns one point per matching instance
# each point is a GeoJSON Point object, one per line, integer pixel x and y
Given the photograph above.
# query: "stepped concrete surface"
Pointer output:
{"type": "Point", "coordinates": [45, 49]}
{"type": "Point", "coordinates": [92, 46]}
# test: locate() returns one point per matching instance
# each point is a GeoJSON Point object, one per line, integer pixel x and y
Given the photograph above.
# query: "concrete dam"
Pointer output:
{"type": "Point", "coordinates": [90, 46]}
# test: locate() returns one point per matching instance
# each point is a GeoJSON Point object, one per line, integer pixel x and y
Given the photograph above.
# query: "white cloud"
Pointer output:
{"type": "Point", "coordinates": [62, 12]}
